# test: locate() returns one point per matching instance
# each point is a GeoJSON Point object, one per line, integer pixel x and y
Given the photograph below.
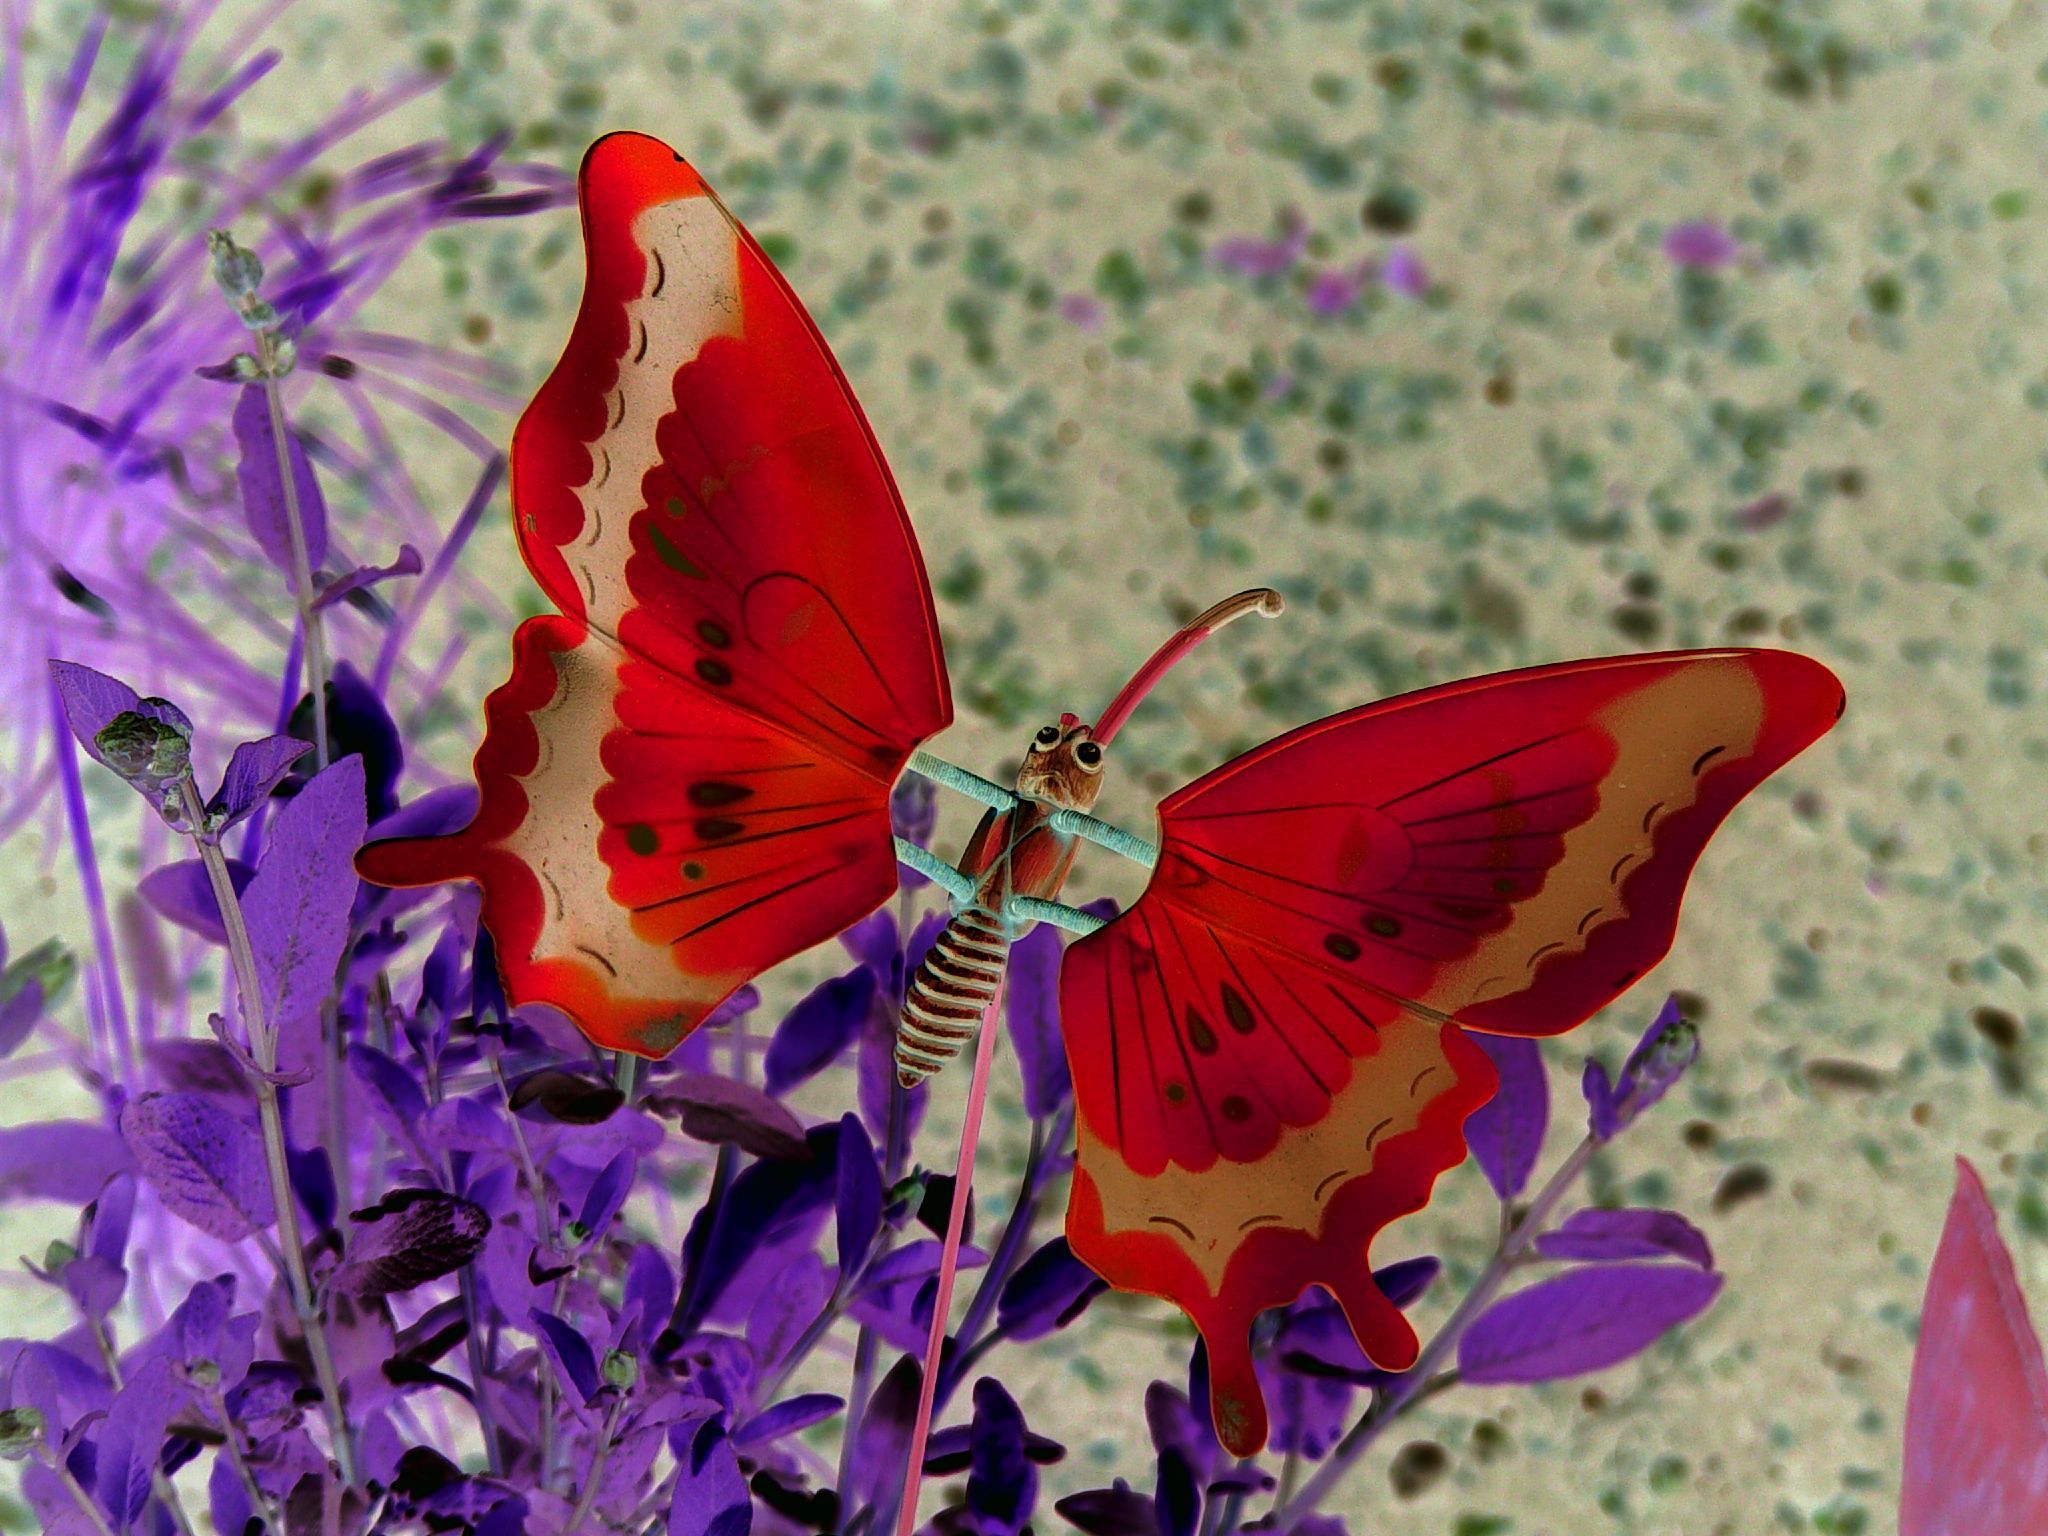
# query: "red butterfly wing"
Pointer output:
{"type": "Point", "coordinates": [686, 779]}
{"type": "Point", "coordinates": [1264, 1058]}
{"type": "Point", "coordinates": [1977, 1410]}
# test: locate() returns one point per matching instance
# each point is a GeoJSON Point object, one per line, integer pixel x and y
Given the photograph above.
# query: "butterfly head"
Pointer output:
{"type": "Point", "coordinates": [1063, 765]}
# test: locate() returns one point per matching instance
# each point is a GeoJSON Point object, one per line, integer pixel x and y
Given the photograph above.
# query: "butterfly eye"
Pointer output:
{"type": "Point", "coordinates": [1088, 755]}
{"type": "Point", "coordinates": [1047, 736]}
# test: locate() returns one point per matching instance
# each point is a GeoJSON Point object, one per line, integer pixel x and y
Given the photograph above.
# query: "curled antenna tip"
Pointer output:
{"type": "Point", "coordinates": [1271, 602]}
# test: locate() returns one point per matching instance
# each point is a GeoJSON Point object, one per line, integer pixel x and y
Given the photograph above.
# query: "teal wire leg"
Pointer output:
{"type": "Point", "coordinates": [1103, 835]}
{"type": "Point", "coordinates": [1031, 909]}
{"type": "Point", "coordinates": [936, 870]}
{"type": "Point", "coordinates": [972, 785]}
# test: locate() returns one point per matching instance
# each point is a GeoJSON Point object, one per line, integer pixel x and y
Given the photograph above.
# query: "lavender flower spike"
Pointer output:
{"type": "Point", "coordinates": [115, 443]}
{"type": "Point", "coordinates": [1669, 1046]}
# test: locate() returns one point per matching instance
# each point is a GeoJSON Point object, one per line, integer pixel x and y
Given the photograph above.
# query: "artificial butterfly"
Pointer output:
{"type": "Point", "coordinates": [686, 780]}
{"type": "Point", "coordinates": [1976, 1451]}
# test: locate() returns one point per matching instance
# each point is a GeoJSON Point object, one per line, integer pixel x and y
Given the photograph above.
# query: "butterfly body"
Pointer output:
{"type": "Point", "coordinates": [1016, 851]}
{"type": "Point", "coordinates": [686, 780]}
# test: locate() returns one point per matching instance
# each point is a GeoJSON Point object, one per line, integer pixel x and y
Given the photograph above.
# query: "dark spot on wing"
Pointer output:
{"type": "Point", "coordinates": [711, 794]}
{"type": "Point", "coordinates": [1342, 945]}
{"type": "Point", "coordinates": [1381, 926]}
{"type": "Point", "coordinates": [714, 634]}
{"type": "Point", "coordinates": [1237, 1010]}
{"type": "Point", "coordinates": [714, 672]}
{"type": "Point", "coordinates": [1176, 1093]}
{"type": "Point", "coordinates": [642, 839]}
{"type": "Point", "coordinates": [1200, 1035]}
{"type": "Point", "coordinates": [1236, 1109]}
{"type": "Point", "coordinates": [712, 828]}
{"type": "Point", "coordinates": [670, 556]}
{"type": "Point", "coordinates": [693, 870]}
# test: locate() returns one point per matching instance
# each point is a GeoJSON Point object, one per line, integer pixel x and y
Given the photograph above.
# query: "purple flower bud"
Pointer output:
{"type": "Point", "coordinates": [1669, 1046]}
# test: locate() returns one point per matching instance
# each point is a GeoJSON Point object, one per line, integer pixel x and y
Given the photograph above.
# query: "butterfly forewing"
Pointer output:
{"type": "Point", "coordinates": [1267, 1049]}
{"type": "Point", "coordinates": [686, 779]}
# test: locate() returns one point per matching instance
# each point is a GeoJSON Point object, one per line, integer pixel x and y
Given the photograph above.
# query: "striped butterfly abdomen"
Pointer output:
{"type": "Point", "coordinates": [949, 994]}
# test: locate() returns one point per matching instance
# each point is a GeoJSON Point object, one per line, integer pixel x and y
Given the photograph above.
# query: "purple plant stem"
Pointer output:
{"type": "Point", "coordinates": [1360, 1437]}
{"type": "Point", "coordinates": [112, 1010]}
{"type": "Point", "coordinates": [949, 1261]}
{"type": "Point", "coordinates": [1016, 1233]}
{"type": "Point", "coordinates": [263, 1047]}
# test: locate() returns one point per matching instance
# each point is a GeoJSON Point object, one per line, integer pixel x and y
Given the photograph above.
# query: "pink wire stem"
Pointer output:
{"type": "Point", "coordinates": [949, 1260]}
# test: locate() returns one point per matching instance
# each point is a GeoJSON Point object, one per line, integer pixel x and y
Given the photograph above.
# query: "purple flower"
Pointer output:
{"type": "Point", "coordinates": [1254, 258]}
{"type": "Point", "coordinates": [1081, 311]}
{"type": "Point", "coordinates": [1699, 243]}
{"type": "Point", "coordinates": [1669, 1046]}
{"type": "Point", "coordinates": [1336, 289]}
{"type": "Point", "coordinates": [1402, 272]}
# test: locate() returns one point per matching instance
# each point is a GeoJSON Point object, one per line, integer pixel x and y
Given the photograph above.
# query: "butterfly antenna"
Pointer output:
{"type": "Point", "coordinates": [1258, 600]}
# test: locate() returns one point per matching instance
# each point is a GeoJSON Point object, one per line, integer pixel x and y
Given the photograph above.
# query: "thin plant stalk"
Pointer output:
{"type": "Point", "coordinates": [79, 1496]}
{"type": "Point", "coordinates": [595, 1477]}
{"type": "Point", "coordinates": [1360, 1437]}
{"type": "Point", "coordinates": [949, 1262]}
{"type": "Point", "coordinates": [263, 1048]}
{"type": "Point", "coordinates": [311, 625]}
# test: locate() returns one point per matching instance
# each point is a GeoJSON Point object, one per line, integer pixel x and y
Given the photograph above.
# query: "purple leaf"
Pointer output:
{"type": "Point", "coordinates": [874, 942]}
{"type": "Point", "coordinates": [132, 1438]}
{"type": "Point", "coordinates": [364, 577]}
{"type": "Point", "coordinates": [254, 771]}
{"type": "Point", "coordinates": [766, 1207]}
{"type": "Point", "coordinates": [1002, 1485]}
{"type": "Point", "coordinates": [1118, 1511]}
{"type": "Point", "coordinates": [410, 1237]}
{"type": "Point", "coordinates": [1583, 1320]}
{"type": "Point", "coordinates": [787, 1417]}
{"type": "Point", "coordinates": [882, 1444]}
{"type": "Point", "coordinates": [181, 893]}
{"type": "Point", "coordinates": [914, 1261]}
{"type": "Point", "coordinates": [711, 1497]}
{"type": "Point", "coordinates": [1404, 1282]}
{"type": "Point", "coordinates": [812, 1035]}
{"type": "Point", "coordinates": [574, 1361]}
{"type": "Point", "coordinates": [397, 1103]}
{"type": "Point", "coordinates": [66, 1160]}
{"type": "Point", "coordinates": [1506, 1133]}
{"type": "Point", "coordinates": [857, 1200]}
{"type": "Point", "coordinates": [263, 500]}
{"type": "Point", "coordinates": [1032, 1006]}
{"type": "Point", "coordinates": [91, 700]}
{"type": "Point", "coordinates": [720, 1110]}
{"type": "Point", "coordinates": [205, 1164]}
{"type": "Point", "coordinates": [607, 1193]}
{"type": "Point", "coordinates": [297, 906]}
{"type": "Point", "coordinates": [1049, 1290]}
{"type": "Point", "coordinates": [434, 814]}
{"type": "Point", "coordinates": [914, 812]}
{"type": "Point", "coordinates": [1627, 1234]}
{"type": "Point", "coordinates": [649, 1295]}
{"type": "Point", "coordinates": [778, 1319]}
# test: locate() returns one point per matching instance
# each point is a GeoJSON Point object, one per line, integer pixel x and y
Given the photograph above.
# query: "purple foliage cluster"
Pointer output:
{"type": "Point", "coordinates": [365, 1249]}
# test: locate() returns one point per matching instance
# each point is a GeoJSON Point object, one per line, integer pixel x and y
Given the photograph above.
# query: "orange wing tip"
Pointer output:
{"type": "Point", "coordinates": [1272, 1266]}
{"type": "Point", "coordinates": [632, 172]}
{"type": "Point", "coordinates": [406, 862]}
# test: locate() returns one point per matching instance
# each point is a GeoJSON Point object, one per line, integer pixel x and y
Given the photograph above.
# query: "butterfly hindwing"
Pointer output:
{"type": "Point", "coordinates": [686, 779]}
{"type": "Point", "coordinates": [1267, 1049]}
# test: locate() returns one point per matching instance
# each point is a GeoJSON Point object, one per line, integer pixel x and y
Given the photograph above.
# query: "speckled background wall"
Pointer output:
{"type": "Point", "coordinates": [1602, 326]}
